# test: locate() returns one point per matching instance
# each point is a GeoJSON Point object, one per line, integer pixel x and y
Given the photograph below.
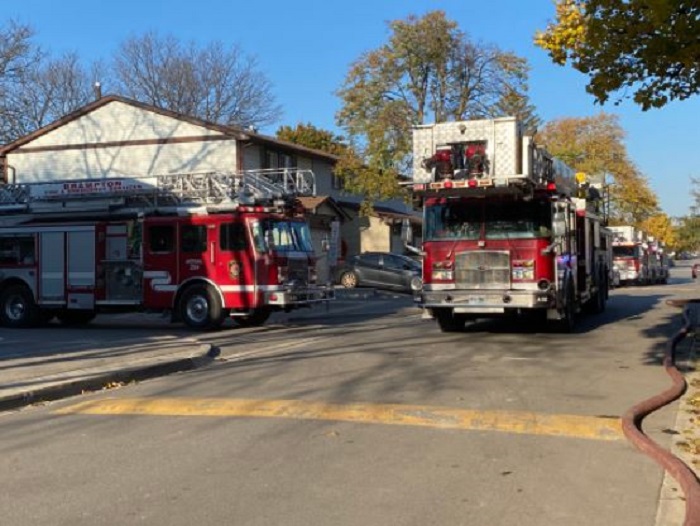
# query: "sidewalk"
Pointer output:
{"type": "Point", "coordinates": [51, 370]}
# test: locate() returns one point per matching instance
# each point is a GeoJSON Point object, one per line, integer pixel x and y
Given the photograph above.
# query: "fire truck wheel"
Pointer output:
{"type": "Point", "coordinates": [17, 307]}
{"type": "Point", "coordinates": [349, 280]}
{"type": "Point", "coordinates": [448, 321]}
{"type": "Point", "coordinates": [75, 317]}
{"type": "Point", "coordinates": [254, 319]}
{"type": "Point", "coordinates": [568, 320]}
{"type": "Point", "coordinates": [200, 308]}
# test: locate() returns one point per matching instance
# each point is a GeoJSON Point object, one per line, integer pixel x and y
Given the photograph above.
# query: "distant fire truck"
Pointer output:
{"type": "Point", "coordinates": [637, 257]}
{"type": "Point", "coordinates": [507, 228]}
{"type": "Point", "coordinates": [202, 246]}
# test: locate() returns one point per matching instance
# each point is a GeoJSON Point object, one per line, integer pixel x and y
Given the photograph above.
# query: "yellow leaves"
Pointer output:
{"type": "Point", "coordinates": [659, 226]}
{"type": "Point", "coordinates": [595, 145]}
{"type": "Point", "coordinates": [645, 51]}
{"type": "Point", "coordinates": [564, 38]}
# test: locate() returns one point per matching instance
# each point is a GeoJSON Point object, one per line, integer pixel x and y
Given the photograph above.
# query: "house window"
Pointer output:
{"type": "Point", "coordinates": [275, 159]}
{"type": "Point", "coordinates": [337, 182]}
{"type": "Point", "coordinates": [287, 161]}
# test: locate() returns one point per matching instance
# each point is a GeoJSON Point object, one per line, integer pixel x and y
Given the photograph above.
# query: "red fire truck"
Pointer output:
{"type": "Point", "coordinates": [201, 246]}
{"type": "Point", "coordinates": [507, 228]}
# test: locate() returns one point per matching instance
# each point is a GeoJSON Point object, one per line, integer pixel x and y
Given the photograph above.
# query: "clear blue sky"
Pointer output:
{"type": "Point", "coordinates": [306, 46]}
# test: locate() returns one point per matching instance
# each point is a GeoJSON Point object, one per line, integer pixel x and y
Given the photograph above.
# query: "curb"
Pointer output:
{"type": "Point", "coordinates": [98, 382]}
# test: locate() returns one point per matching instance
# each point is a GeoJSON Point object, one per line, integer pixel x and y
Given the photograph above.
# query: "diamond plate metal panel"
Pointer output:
{"type": "Point", "coordinates": [503, 138]}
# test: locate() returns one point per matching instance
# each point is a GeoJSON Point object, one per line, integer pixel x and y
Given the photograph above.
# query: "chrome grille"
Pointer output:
{"type": "Point", "coordinates": [482, 269]}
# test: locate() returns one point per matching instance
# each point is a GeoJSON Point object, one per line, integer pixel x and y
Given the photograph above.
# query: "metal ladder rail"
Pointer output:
{"type": "Point", "coordinates": [196, 187]}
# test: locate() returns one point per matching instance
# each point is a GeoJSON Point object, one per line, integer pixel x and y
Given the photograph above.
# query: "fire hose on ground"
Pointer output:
{"type": "Point", "coordinates": [632, 424]}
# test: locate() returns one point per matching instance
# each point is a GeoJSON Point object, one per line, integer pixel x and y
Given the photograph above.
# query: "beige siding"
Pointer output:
{"type": "Point", "coordinates": [120, 161]}
{"type": "Point", "coordinates": [116, 122]}
{"type": "Point", "coordinates": [350, 233]}
{"type": "Point", "coordinates": [376, 236]}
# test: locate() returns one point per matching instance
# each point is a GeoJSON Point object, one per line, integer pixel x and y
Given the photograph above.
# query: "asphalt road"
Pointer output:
{"type": "Point", "coordinates": [372, 417]}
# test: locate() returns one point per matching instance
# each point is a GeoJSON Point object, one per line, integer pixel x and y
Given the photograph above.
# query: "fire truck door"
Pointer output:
{"type": "Point", "coordinates": [52, 265]}
{"type": "Point", "coordinates": [160, 275]}
{"type": "Point", "coordinates": [235, 265]}
{"type": "Point", "coordinates": [80, 282]}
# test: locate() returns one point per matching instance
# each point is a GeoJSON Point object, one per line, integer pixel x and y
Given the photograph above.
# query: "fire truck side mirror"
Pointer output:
{"type": "Point", "coordinates": [559, 224]}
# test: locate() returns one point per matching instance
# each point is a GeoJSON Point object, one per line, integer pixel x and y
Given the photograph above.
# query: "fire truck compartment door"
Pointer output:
{"type": "Point", "coordinates": [53, 267]}
{"type": "Point", "coordinates": [80, 285]}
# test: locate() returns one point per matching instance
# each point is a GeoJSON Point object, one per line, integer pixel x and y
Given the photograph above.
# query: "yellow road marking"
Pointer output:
{"type": "Point", "coordinates": [590, 427]}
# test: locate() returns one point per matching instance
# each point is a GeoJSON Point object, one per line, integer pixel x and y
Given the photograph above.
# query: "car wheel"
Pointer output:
{"type": "Point", "coordinates": [349, 280]}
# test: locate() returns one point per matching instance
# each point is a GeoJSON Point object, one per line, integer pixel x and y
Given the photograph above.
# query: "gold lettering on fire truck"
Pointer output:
{"type": "Point", "coordinates": [194, 264]}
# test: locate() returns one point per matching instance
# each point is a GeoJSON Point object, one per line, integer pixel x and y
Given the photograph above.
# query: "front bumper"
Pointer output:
{"type": "Point", "coordinates": [629, 275]}
{"type": "Point", "coordinates": [286, 297]}
{"type": "Point", "coordinates": [487, 301]}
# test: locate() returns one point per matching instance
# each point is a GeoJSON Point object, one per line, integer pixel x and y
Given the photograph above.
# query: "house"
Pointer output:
{"type": "Point", "coordinates": [119, 137]}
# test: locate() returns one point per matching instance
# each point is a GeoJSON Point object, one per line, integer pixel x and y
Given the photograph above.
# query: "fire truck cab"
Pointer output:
{"type": "Point", "coordinates": [203, 247]}
{"type": "Point", "coordinates": [507, 228]}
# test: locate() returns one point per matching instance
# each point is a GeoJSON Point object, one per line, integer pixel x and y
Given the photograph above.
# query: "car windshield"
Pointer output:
{"type": "Point", "coordinates": [493, 220]}
{"type": "Point", "coordinates": [282, 236]}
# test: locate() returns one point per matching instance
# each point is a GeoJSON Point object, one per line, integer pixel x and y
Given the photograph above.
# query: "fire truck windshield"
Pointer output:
{"type": "Point", "coordinates": [282, 236]}
{"type": "Point", "coordinates": [492, 220]}
{"type": "Point", "coordinates": [625, 251]}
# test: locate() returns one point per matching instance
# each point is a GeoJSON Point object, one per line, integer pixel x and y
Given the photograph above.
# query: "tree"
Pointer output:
{"type": "Point", "coordinates": [45, 92]}
{"type": "Point", "coordinates": [660, 227]}
{"type": "Point", "coordinates": [688, 230]}
{"type": "Point", "coordinates": [648, 48]}
{"type": "Point", "coordinates": [428, 71]}
{"type": "Point", "coordinates": [214, 83]}
{"type": "Point", "coordinates": [17, 52]}
{"type": "Point", "coordinates": [18, 55]}
{"type": "Point", "coordinates": [357, 176]}
{"type": "Point", "coordinates": [311, 137]}
{"type": "Point", "coordinates": [594, 145]}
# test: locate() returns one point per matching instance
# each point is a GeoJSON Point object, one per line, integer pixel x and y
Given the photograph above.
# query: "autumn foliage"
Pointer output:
{"type": "Point", "coordinates": [647, 48]}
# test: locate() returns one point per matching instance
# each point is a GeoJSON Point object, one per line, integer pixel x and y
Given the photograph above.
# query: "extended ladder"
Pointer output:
{"type": "Point", "coordinates": [212, 191]}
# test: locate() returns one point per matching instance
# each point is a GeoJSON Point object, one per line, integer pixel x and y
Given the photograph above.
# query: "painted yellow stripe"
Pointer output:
{"type": "Point", "coordinates": [598, 428]}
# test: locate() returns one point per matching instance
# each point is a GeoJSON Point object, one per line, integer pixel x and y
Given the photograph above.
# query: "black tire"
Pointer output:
{"type": "Point", "coordinates": [200, 308]}
{"type": "Point", "coordinates": [448, 321]}
{"type": "Point", "coordinates": [567, 322]}
{"type": "Point", "coordinates": [596, 305]}
{"type": "Point", "coordinates": [72, 318]}
{"type": "Point", "coordinates": [254, 319]}
{"type": "Point", "coordinates": [45, 316]}
{"type": "Point", "coordinates": [17, 307]}
{"type": "Point", "coordinates": [349, 279]}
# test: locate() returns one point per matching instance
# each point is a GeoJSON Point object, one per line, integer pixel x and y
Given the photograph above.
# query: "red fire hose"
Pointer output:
{"type": "Point", "coordinates": [632, 420]}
